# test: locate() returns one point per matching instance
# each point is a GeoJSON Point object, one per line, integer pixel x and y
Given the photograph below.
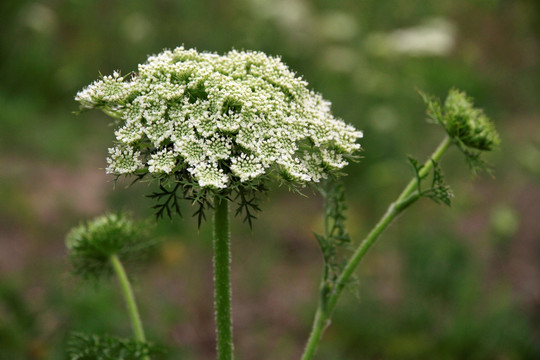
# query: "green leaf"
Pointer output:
{"type": "Point", "coordinates": [335, 238]}
{"type": "Point", "coordinates": [438, 190]}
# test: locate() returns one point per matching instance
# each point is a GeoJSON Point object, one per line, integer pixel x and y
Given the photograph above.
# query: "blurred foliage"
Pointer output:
{"type": "Point", "coordinates": [459, 283]}
{"type": "Point", "coordinates": [91, 347]}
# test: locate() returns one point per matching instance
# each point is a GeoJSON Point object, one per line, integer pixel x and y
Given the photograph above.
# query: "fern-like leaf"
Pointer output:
{"type": "Point", "coordinates": [335, 238]}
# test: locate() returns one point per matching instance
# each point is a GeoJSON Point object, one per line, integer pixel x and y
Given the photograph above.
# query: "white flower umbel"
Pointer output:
{"type": "Point", "coordinates": [231, 118]}
{"type": "Point", "coordinates": [123, 160]}
{"type": "Point", "coordinates": [163, 161]}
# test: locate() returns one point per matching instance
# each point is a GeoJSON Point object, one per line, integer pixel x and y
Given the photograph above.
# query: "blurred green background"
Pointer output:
{"type": "Point", "coordinates": [443, 283]}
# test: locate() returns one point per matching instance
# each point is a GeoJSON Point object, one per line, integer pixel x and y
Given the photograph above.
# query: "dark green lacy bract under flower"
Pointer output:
{"type": "Point", "coordinates": [218, 120]}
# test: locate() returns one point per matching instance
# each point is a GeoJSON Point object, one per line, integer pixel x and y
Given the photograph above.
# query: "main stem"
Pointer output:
{"type": "Point", "coordinates": [407, 197]}
{"type": "Point", "coordinates": [222, 281]}
{"type": "Point", "coordinates": [129, 297]}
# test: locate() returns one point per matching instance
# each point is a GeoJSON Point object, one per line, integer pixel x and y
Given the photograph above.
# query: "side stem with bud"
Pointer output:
{"type": "Point", "coordinates": [407, 197]}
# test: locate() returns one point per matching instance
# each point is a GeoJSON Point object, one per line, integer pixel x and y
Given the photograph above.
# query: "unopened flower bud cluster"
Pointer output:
{"type": "Point", "coordinates": [91, 244]}
{"type": "Point", "coordinates": [467, 123]}
{"type": "Point", "coordinates": [231, 118]}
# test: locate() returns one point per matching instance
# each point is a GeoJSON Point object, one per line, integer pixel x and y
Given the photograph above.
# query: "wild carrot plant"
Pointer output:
{"type": "Point", "coordinates": [215, 130]}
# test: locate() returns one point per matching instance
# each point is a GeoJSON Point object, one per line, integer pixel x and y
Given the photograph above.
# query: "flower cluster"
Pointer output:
{"type": "Point", "coordinates": [220, 120]}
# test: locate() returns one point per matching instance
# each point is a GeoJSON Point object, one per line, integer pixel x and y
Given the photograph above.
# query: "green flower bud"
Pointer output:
{"type": "Point", "coordinates": [468, 124]}
{"type": "Point", "coordinates": [91, 245]}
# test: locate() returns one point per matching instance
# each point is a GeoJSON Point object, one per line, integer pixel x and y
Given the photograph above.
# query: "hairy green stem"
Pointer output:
{"type": "Point", "coordinates": [129, 297]}
{"type": "Point", "coordinates": [407, 197]}
{"type": "Point", "coordinates": [222, 281]}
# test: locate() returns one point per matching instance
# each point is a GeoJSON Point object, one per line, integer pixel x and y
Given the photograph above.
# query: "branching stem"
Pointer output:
{"type": "Point", "coordinates": [407, 197]}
